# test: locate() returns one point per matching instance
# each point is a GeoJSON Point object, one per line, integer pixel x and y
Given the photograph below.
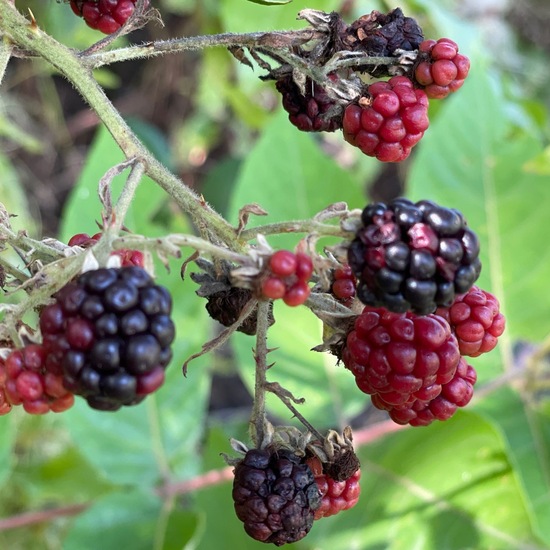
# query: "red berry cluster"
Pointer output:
{"type": "Point", "coordinates": [442, 69]}
{"type": "Point", "coordinates": [127, 257]}
{"type": "Point", "coordinates": [336, 496]}
{"type": "Point", "coordinates": [343, 285]}
{"type": "Point", "coordinates": [476, 321]}
{"type": "Point", "coordinates": [287, 277]}
{"type": "Point", "coordinates": [389, 121]}
{"type": "Point", "coordinates": [106, 16]}
{"type": "Point", "coordinates": [26, 380]}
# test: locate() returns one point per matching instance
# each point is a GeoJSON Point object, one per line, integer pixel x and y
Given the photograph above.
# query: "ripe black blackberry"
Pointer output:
{"type": "Point", "coordinates": [314, 111]}
{"type": "Point", "coordinates": [275, 496]}
{"type": "Point", "coordinates": [413, 256]}
{"type": "Point", "coordinates": [109, 333]}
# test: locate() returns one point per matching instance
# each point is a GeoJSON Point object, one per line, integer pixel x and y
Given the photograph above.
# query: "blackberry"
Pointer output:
{"type": "Point", "coordinates": [109, 334]}
{"type": "Point", "coordinates": [380, 35]}
{"type": "Point", "coordinates": [441, 69]}
{"type": "Point", "coordinates": [476, 321]}
{"type": "Point", "coordinates": [275, 496]}
{"type": "Point", "coordinates": [106, 16]}
{"type": "Point", "coordinates": [389, 121]}
{"type": "Point", "coordinates": [315, 111]}
{"type": "Point", "coordinates": [413, 256]}
{"type": "Point", "coordinates": [402, 360]}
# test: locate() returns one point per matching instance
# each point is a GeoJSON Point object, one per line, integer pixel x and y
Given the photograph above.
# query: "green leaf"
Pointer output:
{"type": "Point", "coordinates": [445, 487]}
{"type": "Point", "coordinates": [8, 431]}
{"type": "Point", "coordinates": [289, 175]}
{"type": "Point", "coordinates": [526, 436]}
{"type": "Point", "coordinates": [134, 519]}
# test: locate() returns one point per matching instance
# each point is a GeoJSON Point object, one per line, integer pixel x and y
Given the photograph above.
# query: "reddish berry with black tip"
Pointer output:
{"type": "Point", "coordinates": [109, 335]}
{"type": "Point", "coordinates": [336, 496]}
{"type": "Point", "coordinates": [402, 360]}
{"type": "Point", "coordinates": [106, 16]}
{"type": "Point", "coordinates": [24, 380]}
{"type": "Point", "coordinates": [442, 69]}
{"type": "Point", "coordinates": [476, 321]}
{"type": "Point", "coordinates": [413, 256]}
{"type": "Point", "coordinates": [275, 496]}
{"type": "Point", "coordinates": [389, 121]}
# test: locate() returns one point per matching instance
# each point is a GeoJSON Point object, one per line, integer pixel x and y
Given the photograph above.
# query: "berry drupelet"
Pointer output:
{"type": "Point", "coordinates": [106, 16]}
{"type": "Point", "coordinates": [109, 334]}
{"type": "Point", "coordinates": [413, 256]}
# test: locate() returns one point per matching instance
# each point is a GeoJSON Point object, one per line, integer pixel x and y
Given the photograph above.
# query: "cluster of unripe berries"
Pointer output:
{"type": "Point", "coordinates": [390, 116]}
{"type": "Point", "coordinates": [278, 494]}
{"type": "Point", "coordinates": [416, 265]}
{"type": "Point", "coordinates": [127, 256]}
{"type": "Point", "coordinates": [286, 277]}
{"type": "Point", "coordinates": [106, 16]}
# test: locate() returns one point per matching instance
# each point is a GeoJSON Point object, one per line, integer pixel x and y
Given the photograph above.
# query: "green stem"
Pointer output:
{"type": "Point", "coordinates": [296, 226]}
{"type": "Point", "coordinates": [258, 418]}
{"type": "Point", "coordinates": [5, 55]}
{"type": "Point", "coordinates": [69, 64]}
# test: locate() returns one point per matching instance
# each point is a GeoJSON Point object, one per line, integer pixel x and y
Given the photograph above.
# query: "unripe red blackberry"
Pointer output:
{"type": "Point", "coordinates": [476, 321]}
{"type": "Point", "coordinates": [286, 276]}
{"type": "Point", "coordinates": [106, 16]}
{"type": "Point", "coordinates": [413, 256]}
{"type": "Point", "coordinates": [109, 333]}
{"type": "Point", "coordinates": [402, 360]}
{"type": "Point", "coordinates": [343, 286]}
{"type": "Point", "coordinates": [389, 122]}
{"type": "Point", "coordinates": [24, 380]}
{"type": "Point", "coordinates": [336, 496]}
{"type": "Point", "coordinates": [315, 111]}
{"type": "Point", "coordinates": [275, 496]}
{"type": "Point", "coordinates": [441, 69]}
{"type": "Point", "coordinates": [454, 394]}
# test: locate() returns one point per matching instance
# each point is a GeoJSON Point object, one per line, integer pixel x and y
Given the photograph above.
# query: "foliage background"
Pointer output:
{"type": "Point", "coordinates": [479, 481]}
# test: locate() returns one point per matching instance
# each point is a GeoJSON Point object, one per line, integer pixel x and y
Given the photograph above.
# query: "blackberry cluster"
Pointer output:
{"type": "Point", "coordinates": [410, 365]}
{"type": "Point", "coordinates": [25, 380]}
{"type": "Point", "coordinates": [287, 277]}
{"type": "Point", "coordinates": [275, 496]}
{"type": "Point", "coordinates": [127, 256]}
{"type": "Point", "coordinates": [106, 16]}
{"type": "Point", "coordinates": [343, 285]}
{"type": "Point", "coordinates": [109, 334]}
{"type": "Point", "coordinates": [315, 111]}
{"type": "Point", "coordinates": [413, 256]}
{"type": "Point", "coordinates": [389, 122]}
{"type": "Point", "coordinates": [476, 321]}
{"type": "Point", "coordinates": [336, 496]}
{"type": "Point", "coordinates": [441, 69]}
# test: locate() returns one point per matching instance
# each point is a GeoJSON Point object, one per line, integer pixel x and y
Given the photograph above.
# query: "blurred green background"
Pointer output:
{"type": "Point", "coordinates": [478, 481]}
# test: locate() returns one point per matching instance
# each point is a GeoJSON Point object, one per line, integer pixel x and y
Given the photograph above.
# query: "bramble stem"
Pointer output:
{"type": "Point", "coordinates": [258, 418]}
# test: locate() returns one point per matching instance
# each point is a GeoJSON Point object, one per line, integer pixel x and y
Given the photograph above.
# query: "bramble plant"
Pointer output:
{"type": "Point", "coordinates": [111, 330]}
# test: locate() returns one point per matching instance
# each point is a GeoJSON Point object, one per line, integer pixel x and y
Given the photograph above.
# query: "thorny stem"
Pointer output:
{"type": "Point", "coordinates": [5, 55]}
{"type": "Point", "coordinates": [297, 226]}
{"type": "Point", "coordinates": [68, 63]}
{"type": "Point", "coordinates": [285, 397]}
{"type": "Point", "coordinates": [258, 418]}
